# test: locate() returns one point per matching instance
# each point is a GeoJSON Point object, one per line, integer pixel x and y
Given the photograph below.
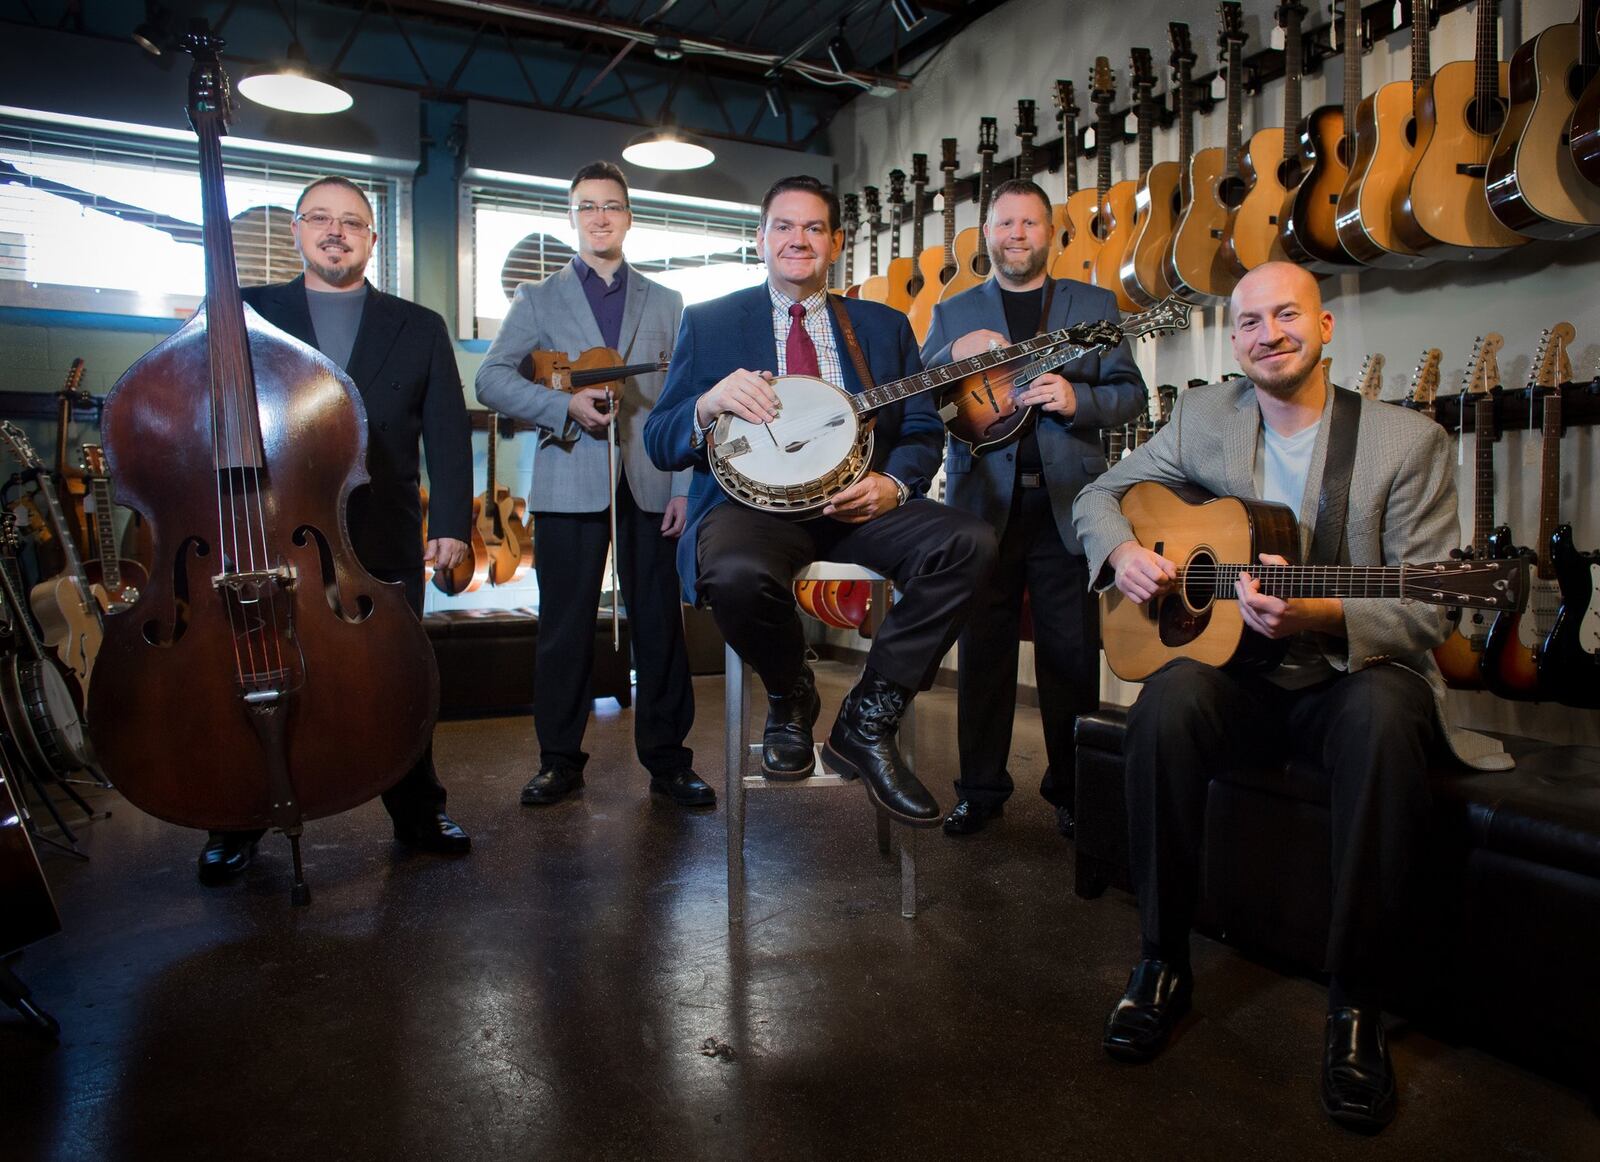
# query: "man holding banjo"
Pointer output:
{"type": "Point", "coordinates": [741, 557]}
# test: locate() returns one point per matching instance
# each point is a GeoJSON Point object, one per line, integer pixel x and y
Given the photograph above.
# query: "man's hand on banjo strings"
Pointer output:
{"type": "Point", "coordinates": [873, 495]}
{"type": "Point", "coordinates": [746, 394]}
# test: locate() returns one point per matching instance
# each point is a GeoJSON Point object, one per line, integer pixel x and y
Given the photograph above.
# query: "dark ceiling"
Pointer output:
{"type": "Point", "coordinates": [717, 67]}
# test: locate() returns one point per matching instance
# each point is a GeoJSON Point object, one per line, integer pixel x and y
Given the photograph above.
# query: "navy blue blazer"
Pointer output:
{"type": "Point", "coordinates": [735, 331]}
{"type": "Point", "coordinates": [1110, 392]}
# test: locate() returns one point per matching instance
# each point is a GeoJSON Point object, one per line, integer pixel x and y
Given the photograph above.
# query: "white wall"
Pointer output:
{"type": "Point", "coordinates": [1020, 50]}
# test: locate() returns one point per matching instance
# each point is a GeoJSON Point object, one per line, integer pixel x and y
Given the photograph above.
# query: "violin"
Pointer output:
{"type": "Point", "coordinates": [263, 677]}
{"type": "Point", "coordinates": [596, 367]}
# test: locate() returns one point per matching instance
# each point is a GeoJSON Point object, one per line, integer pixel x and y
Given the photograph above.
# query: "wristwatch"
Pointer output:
{"type": "Point", "coordinates": [901, 492]}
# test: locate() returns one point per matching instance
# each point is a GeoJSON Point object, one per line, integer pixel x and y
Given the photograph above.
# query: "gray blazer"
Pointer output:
{"type": "Point", "coordinates": [569, 465]}
{"type": "Point", "coordinates": [1402, 508]}
{"type": "Point", "coordinates": [1109, 388]}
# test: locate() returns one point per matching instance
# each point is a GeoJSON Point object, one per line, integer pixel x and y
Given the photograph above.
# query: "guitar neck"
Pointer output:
{"type": "Point", "coordinates": [1293, 70]}
{"type": "Point", "coordinates": [1069, 155]}
{"type": "Point", "coordinates": [1421, 61]}
{"type": "Point", "coordinates": [1025, 158]}
{"type": "Point", "coordinates": [1483, 475]}
{"type": "Point", "coordinates": [1287, 581]}
{"type": "Point", "coordinates": [1352, 72]}
{"type": "Point", "coordinates": [918, 229]}
{"type": "Point", "coordinates": [949, 217]}
{"type": "Point", "coordinates": [1235, 108]}
{"type": "Point", "coordinates": [1147, 139]}
{"type": "Point", "coordinates": [1102, 149]}
{"type": "Point", "coordinates": [1185, 130]}
{"type": "Point", "coordinates": [106, 534]}
{"type": "Point", "coordinates": [492, 450]}
{"type": "Point", "coordinates": [1486, 80]}
{"type": "Point", "coordinates": [69, 549]}
{"type": "Point", "coordinates": [1549, 481]}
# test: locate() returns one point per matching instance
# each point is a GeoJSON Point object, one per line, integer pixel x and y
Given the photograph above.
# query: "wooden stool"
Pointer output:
{"type": "Point", "coordinates": [743, 757]}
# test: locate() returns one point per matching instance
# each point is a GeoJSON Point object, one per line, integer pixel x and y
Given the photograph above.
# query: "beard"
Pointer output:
{"type": "Point", "coordinates": [1021, 271]}
{"type": "Point", "coordinates": [1284, 378]}
{"type": "Point", "coordinates": [340, 276]}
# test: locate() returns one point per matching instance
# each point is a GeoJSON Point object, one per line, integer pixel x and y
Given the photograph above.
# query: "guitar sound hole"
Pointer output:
{"type": "Point", "coordinates": [1486, 117]}
{"type": "Point", "coordinates": [1197, 581]}
{"type": "Point", "coordinates": [1411, 132]}
{"type": "Point", "coordinates": [1231, 192]}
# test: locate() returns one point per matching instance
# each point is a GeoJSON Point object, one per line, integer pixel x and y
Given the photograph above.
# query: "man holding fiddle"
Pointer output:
{"type": "Point", "coordinates": [1026, 493]}
{"type": "Point", "coordinates": [742, 561]}
{"type": "Point", "coordinates": [400, 357]}
{"type": "Point", "coordinates": [598, 300]}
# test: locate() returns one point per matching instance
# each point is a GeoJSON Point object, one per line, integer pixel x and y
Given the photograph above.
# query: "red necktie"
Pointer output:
{"type": "Point", "coordinates": [800, 351]}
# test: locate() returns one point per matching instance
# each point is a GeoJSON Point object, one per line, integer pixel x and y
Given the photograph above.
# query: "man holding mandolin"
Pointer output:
{"type": "Point", "coordinates": [732, 356]}
{"type": "Point", "coordinates": [1026, 492]}
{"type": "Point", "coordinates": [599, 301]}
{"type": "Point", "coordinates": [1357, 696]}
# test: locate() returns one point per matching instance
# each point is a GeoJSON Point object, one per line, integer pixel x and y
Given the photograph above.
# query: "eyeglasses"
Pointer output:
{"type": "Point", "coordinates": [588, 209]}
{"type": "Point", "coordinates": [317, 220]}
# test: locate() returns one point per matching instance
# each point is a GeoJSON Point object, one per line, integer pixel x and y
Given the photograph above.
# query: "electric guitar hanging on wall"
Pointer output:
{"type": "Point", "coordinates": [1425, 383]}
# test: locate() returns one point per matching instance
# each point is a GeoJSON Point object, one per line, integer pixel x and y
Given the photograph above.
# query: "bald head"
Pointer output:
{"type": "Point", "coordinates": [1279, 328]}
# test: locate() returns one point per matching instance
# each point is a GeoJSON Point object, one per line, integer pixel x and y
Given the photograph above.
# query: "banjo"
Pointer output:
{"type": "Point", "coordinates": [821, 442]}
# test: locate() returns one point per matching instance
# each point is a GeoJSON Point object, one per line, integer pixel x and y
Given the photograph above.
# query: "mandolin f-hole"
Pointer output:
{"type": "Point", "coordinates": [307, 534]}
{"type": "Point", "coordinates": [163, 636]}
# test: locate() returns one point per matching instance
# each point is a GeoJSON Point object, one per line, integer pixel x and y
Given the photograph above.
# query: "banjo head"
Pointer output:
{"type": "Point", "coordinates": [814, 449]}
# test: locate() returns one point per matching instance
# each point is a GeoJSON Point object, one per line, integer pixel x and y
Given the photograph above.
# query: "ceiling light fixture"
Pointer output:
{"type": "Point", "coordinates": [667, 148]}
{"type": "Point", "coordinates": [908, 13]}
{"type": "Point", "coordinates": [668, 48]}
{"type": "Point", "coordinates": [292, 85]}
{"type": "Point", "coordinates": [154, 33]}
{"type": "Point", "coordinates": [840, 52]}
{"type": "Point", "coordinates": [777, 100]}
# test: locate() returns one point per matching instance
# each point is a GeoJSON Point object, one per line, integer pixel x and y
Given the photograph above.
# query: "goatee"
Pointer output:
{"type": "Point", "coordinates": [340, 276]}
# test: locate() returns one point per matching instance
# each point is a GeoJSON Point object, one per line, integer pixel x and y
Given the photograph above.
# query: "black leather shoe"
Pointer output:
{"type": "Point", "coordinates": [970, 817]}
{"type": "Point", "coordinates": [862, 745]}
{"type": "Point", "coordinates": [550, 785]}
{"type": "Point", "coordinates": [1357, 1076]}
{"type": "Point", "coordinates": [433, 831]}
{"type": "Point", "coordinates": [1157, 998]}
{"type": "Point", "coordinates": [226, 855]}
{"type": "Point", "coordinates": [685, 788]}
{"type": "Point", "coordinates": [787, 748]}
{"type": "Point", "coordinates": [1065, 823]}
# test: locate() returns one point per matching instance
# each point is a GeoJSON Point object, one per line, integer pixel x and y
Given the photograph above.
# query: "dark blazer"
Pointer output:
{"type": "Point", "coordinates": [405, 369]}
{"type": "Point", "coordinates": [1109, 388]}
{"type": "Point", "coordinates": [736, 331]}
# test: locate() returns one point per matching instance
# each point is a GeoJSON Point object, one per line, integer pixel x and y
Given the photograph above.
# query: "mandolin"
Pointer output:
{"type": "Point", "coordinates": [1511, 650]}
{"type": "Point", "coordinates": [875, 287]}
{"type": "Point", "coordinates": [1163, 190]}
{"type": "Point", "coordinates": [937, 264]}
{"type": "Point", "coordinates": [1074, 218]}
{"type": "Point", "coordinates": [1532, 182]}
{"type": "Point", "coordinates": [1386, 132]}
{"type": "Point", "coordinates": [972, 255]}
{"type": "Point", "coordinates": [897, 276]}
{"type": "Point", "coordinates": [1198, 267]}
{"type": "Point", "coordinates": [1115, 215]}
{"type": "Point", "coordinates": [499, 520]}
{"type": "Point", "coordinates": [1309, 230]}
{"type": "Point", "coordinates": [915, 278]}
{"type": "Point", "coordinates": [1442, 210]}
{"type": "Point", "coordinates": [1583, 129]}
{"type": "Point", "coordinates": [118, 580]}
{"type": "Point", "coordinates": [1271, 165]}
{"type": "Point", "coordinates": [1212, 540]}
{"type": "Point", "coordinates": [1460, 654]}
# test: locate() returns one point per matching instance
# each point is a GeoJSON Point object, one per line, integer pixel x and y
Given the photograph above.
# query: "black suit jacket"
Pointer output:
{"type": "Point", "coordinates": [405, 369]}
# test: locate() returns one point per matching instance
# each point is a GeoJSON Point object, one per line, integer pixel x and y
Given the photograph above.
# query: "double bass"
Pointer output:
{"type": "Point", "coordinates": [264, 677]}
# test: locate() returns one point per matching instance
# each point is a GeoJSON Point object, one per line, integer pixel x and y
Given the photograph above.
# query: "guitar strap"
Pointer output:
{"type": "Point", "coordinates": [1327, 540]}
{"type": "Point", "coordinates": [1044, 308]}
{"type": "Point", "coordinates": [852, 344]}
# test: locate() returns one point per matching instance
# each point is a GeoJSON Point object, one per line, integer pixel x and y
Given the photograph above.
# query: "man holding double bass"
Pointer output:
{"type": "Point", "coordinates": [400, 357]}
{"type": "Point", "coordinates": [598, 300]}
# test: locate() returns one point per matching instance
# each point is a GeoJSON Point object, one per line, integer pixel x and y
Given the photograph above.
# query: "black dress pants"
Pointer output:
{"type": "Point", "coordinates": [1066, 652]}
{"type": "Point", "coordinates": [1369, 732]}
{"type": "Point", "coordinates": [936, 556]}
{"type": "Point", "coordinates": [570, 556]}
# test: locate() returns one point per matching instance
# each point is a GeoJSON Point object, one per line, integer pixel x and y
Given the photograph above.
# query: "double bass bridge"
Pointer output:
{"type": "Point", "coordinates": [252, 586]}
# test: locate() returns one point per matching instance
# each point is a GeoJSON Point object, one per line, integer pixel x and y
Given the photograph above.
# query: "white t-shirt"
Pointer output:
{"type": "Point", "coordinates": [1282, 463]}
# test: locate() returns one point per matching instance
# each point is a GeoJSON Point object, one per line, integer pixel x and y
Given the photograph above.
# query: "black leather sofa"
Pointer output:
{"type": "Point", "coordinates": [1505, 946]}
{"type": "Point", "coordinates": [486, 660]}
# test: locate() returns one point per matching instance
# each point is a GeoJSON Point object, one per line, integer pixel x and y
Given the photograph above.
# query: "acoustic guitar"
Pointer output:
{"type": "Point", "coordinates": [1198, 267]}
{"type": "Point", "coordinates": [1142, 79]}
{"type": "Point", "coordinates": [1212, 540]}
{"type": "Point", "coordinates": [1271, 165]}
{"type": "Point", "coordinates": [1386, 130]}
{"type": "Point", "coordinates": [915, 279]}
{"type": "Point", "coordinates": [972, 256]}
{"type": "Point", "coordinates": [1114, 216]}
{"type": "Point", "coordinates": [1583, 129]}
{"type": "Point", "coordinates": [937, 264]}
{"type": "Point", "coordinates": [875, 287]}
{"type": "Point", "coordinates": [897, 276]}
{"type": "Point", "coordinates": [1442, 209]}
{"type": "Point", "coordinates": [1074, 217]}
{"type": "Point", "coordinates": [1533, 183]}
{"type": "Point", "coordinates": [1511, 651]}
{"type": "Point", "coordinates": [501, 520]}
{"type": "Point", "coordinates": [1310, 230]}
{"type": "Point", "coordinates": [1163, 190]}
{"type": "Point", "coordinates": [1460, 655]}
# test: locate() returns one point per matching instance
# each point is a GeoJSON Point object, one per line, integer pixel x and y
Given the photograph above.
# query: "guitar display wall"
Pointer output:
{"type": "Point", "coordinates": [1396, 312]}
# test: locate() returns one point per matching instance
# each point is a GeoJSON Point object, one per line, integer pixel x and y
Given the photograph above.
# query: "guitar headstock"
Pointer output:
{"type": "Point", "coordinates": [1289, 14]}
{"type": "Point", "coordinates": [869, 195]}
{"type": "Point", "coordinates": [852, 214]}
{"type": "Point", "coordinates": [948, 162]}
{"type": "Point", "coordinates": [1026, 127]}
{"type": "Point", "coordinates": [1066, 105]}
{"type": "Point", "coordinates": [1425, 379]}
{"type": "Point", "coordinates": [1552, 366]}
{"type": "Point", "coordinates": [8, 534]}
{"type": "Point", "coordinates": [1166, 400]}
{"type": "Point", "coordinates": [74, 378]}
{"type": "Point", "coordinates": [1490, 583]}
{"type": "Point", "coordinates": [1103, 85]}
{"type": "Point", "coordinates": [1483, 372]}
{"type": "Point", "coordinates": [897, 190]}
{"type": "Point", "coordinates": [919, 170]}
{"type": "Point", "coordinates": [1371, 382]}
{"type": "Point", "coordinates": [1141, 74]}
{"type": "Point", "coordinates": [1169, 314]}
{"type": "Point", "coordinates": [1182, 56]}
{"type": "Point", "coordinates": [1230, 25]}
{"type": "Point", "coordinates": [988, 136]}
{"type": "Point", "coordinates": [94, 460]}
{"type": "Point", "coordinates": [21, 447]}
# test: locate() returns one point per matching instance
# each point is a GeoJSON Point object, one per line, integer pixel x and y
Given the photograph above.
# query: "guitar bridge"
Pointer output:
{"type": "Point", "coordinates": [1473, 170]}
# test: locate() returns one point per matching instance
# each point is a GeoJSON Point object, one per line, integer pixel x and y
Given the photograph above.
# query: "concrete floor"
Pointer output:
{"type": "Point", "coordinates": [556, 994]}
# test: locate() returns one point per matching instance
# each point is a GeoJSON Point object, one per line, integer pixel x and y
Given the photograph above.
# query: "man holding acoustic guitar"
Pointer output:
{"type": "Point", "coordinates": [1356, 697]}
{"type": "Point", "coordinates": [599, 301]}
{"type": "Point", "coordinates": [1026, 493]}
{"type": "Point", "coordinates": [741, 557]}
